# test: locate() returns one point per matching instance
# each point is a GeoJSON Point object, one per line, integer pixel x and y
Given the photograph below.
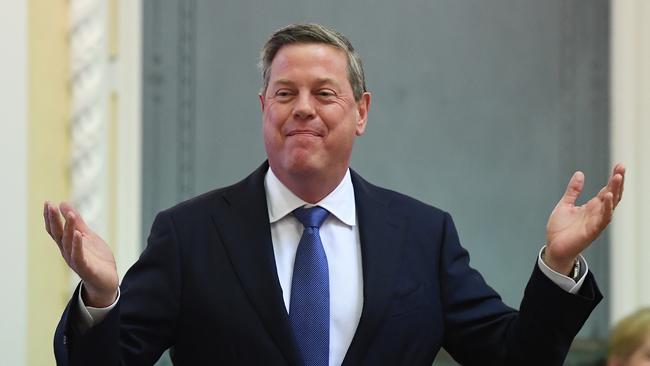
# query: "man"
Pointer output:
{"type": "Point", "coordinates": [304, 262]}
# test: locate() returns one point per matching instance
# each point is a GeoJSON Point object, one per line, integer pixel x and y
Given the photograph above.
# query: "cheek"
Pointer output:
{"type": "Point", "coordinates": [272, 122]}
{"type": "Point", "coordinates": [276, 112]}
{"type": "Point", "coordinates": [270, 135]}
{"type": "Point", "coordinates": [337, 111]}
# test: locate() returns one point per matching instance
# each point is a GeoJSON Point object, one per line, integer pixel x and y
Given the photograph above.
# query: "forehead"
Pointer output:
{"type": "Point", "coordinates": [309, 58]}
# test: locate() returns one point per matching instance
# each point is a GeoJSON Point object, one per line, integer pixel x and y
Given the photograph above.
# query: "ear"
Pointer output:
{"type": "Point", "coordinates": [363, 107]}
{"type": "Point", "coordinates": [261, 101]}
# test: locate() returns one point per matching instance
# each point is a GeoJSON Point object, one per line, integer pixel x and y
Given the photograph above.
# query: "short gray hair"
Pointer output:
{"type": "Point", "coordinates": [313, 33]}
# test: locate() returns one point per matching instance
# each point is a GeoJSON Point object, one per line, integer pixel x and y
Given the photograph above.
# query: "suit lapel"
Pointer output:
{"type": "Point", "coordinates": [243, 225]}
{"type": "Point", "coordinates": [381, 235]}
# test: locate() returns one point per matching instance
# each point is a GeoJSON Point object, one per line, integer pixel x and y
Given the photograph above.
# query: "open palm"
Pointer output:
{"type": "Point", "coordinates": [84, 251]}
{"type": "Point", "coordinates": [572, 228]}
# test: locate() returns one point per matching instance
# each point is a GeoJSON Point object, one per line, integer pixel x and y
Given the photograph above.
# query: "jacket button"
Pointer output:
{"type": "Point", "coordinates": [65, 340]}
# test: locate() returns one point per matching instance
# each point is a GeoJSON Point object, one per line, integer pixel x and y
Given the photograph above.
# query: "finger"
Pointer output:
{"type": "Point", "coordinates": [620, 169]}
{"type": "Point", "coordinates": [620, 192]}
{"type": "Point", "coordinates": [608, 208]}
{"type": "Point", "coordinates": [574, 188]}
{"type": "Point", "coordinates": [56, 226]}
{"type": "Point", "coordinates": [606, 188]}
{"type": "Point", "coordinates": [617, 182]}
{"type": "Point", "coordinates": [609, 187]}
{"type": "Point", "coordinates": [614, 184]}
{"type": "Point", "coordinates": [68, 233]}
{"type": "Point", "coordinates": [67, 208]}
{"type": "Point", "coordinates": [77, 258]}
{"type": "Point", "coordinates": [46, 217]}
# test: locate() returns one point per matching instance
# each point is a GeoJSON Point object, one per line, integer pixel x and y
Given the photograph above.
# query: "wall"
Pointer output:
{"type": "Point", "coordinates": [35, 154]}
{"type": "Point", "coordinates": [13, 185]}
{"type": "Point", "coordinates": [48, 167]}
{"type": "Point", "coordinates": [482, 108]}
{"type": "Point", "coordinates": [630, 133]}
{"type": "Point", "coordinates": [558, 75]}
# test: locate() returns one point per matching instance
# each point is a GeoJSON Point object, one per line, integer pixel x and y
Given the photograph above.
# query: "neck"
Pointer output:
{"type": "Point", "coordinates": [311, 188]}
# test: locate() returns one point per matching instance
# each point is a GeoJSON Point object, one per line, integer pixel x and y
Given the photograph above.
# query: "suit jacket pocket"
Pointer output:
{"type": "Point", "coordinates": [407, 300]}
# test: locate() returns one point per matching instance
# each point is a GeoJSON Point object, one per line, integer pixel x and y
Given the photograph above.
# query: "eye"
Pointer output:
{"type": "Point", "coordinates": [326, 93]}
{"type": "Point", "coordinates": [283, 93]}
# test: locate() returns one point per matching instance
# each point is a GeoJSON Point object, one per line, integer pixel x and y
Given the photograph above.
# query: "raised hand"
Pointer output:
{"type": "Point", "coordinates": [85, 252]}
{"type": "Point", "coordinates": [571, 229]}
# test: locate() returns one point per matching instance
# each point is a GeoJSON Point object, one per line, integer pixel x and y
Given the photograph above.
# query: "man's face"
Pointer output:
{"type": "Point", "coordinates": [310, 117]}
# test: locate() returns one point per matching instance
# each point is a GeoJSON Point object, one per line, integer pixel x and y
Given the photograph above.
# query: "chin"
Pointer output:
{"type": "Point", "coordinates": [303, 168]}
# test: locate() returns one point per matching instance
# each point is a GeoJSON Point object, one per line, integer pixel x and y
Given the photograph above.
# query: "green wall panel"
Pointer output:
{"type": "Point", "coordinates": [482, 108]}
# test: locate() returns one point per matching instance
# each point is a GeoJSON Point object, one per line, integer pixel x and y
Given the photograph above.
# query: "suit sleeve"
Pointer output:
{"type": "Point", "coordinates": [142, 324]}
{"type": "Point", "coordinates": [481, 330]}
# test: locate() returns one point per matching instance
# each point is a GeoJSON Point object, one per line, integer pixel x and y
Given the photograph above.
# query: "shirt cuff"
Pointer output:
{"type": "Point", "coordinates": [90, 315]}
{"type": "Point", "coordinates": [564, 282]}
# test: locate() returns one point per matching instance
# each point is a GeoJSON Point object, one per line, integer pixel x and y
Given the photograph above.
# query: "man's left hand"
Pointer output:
{"type": "Point", "coordinates": [571, 229]}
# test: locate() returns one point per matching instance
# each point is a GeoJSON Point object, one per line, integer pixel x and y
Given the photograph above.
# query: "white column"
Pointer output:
{"type": "Point", "coordinates": [630, 144]}
{"type": "Point", "coordinates": [13, 185]}
{"type": "Point", "coordinates": [100, 70]}
{"type": "Point", "coordinates": [88, 81]}
{"type": "Point", "coordinates": [129, 171]}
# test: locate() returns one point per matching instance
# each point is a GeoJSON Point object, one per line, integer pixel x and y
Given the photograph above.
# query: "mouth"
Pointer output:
{"type": "Point", "coordinates": [307, 133]}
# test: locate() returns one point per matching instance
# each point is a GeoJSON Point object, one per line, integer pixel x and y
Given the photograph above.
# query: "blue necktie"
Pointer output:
{"type": "Point", "coordinates": [309, 307]}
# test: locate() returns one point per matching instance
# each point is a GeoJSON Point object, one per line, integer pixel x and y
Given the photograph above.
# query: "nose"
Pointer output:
{"type": "Point", "coordinates": [304, 108]}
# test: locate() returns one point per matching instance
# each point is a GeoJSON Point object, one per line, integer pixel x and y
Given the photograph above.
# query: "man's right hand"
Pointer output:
{"type": "Point", "coordinates": [85, 252]}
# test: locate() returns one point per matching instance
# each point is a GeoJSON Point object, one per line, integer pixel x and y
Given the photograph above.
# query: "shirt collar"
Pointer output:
{"type": "Point", "coordinates": [280, 201]}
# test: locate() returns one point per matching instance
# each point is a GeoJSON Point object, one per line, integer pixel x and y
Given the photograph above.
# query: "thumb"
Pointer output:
{"type": "Point", "coordinates": [574, 188]}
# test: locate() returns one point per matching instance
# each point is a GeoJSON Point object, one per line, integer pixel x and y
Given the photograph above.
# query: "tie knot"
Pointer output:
{"type": "Point", "coordinates": [311, 217]}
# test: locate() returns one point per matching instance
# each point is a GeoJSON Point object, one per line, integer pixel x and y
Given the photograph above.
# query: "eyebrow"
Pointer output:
{"type": "Point", "coordinates": [282, 82]}
{"type": "Point", "coordinates": [319, 81]}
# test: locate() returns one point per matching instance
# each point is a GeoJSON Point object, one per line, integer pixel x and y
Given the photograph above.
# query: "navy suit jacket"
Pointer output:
{"type": "Point", "coordinates": [207, 286]}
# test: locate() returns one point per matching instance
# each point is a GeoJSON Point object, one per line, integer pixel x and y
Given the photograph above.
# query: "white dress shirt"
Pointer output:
{"type": "Point", "coordinates": [340, 238]}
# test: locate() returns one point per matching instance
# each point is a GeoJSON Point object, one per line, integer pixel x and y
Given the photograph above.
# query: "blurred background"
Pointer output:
{"type": "Point", "coordinates": [484, 109]}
